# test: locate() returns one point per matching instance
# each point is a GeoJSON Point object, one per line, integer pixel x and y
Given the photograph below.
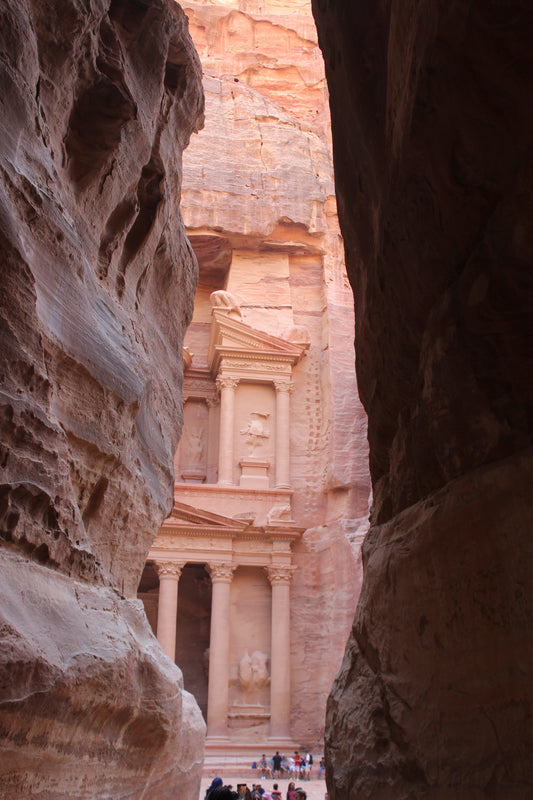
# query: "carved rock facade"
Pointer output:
{"type": "Point", "coordinates": [98, 102]}
{"type": "Point", "coordinates": [266, 480]}
{"type": "Point", "coordinates": [432, 145]}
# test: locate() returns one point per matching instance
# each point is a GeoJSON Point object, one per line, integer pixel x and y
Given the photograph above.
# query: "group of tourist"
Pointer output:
{"type": "Point", "coordinates": [218, 791]}
{"type": "Point", "coordinates": [296, 767]}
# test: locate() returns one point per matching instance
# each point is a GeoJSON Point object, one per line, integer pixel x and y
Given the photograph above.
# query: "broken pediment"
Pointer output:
{"type": "Point", "coordinates": [184, 515]}
{"type": "Point", "coordinates": [233, 339]}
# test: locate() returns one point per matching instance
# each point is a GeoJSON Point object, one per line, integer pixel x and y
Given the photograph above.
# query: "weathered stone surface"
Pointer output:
{"type": "Point", "coordinates": [268, 169]}
{"type": "Point", "coordinates": [97, 287]}
{"type": "Point", "coordinates": [432, 139]}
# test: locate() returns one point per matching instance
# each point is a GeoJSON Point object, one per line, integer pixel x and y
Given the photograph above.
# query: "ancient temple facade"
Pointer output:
{"type": "Point", "coordinates": [232, 531]}
{"type": "Point", "coordinates": [250, 583]}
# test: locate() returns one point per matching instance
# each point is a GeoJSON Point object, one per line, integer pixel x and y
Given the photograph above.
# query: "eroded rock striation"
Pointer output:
{"type": "Point", "coordinates": [98, 279]}
{"type": "Point", "coordinates": [432, 135]}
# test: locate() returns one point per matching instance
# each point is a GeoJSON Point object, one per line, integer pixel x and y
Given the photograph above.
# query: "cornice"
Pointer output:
{"type": "Point", "coordinates": [233, 338]}
{"type": "Point", "coordinates": [256, 534]}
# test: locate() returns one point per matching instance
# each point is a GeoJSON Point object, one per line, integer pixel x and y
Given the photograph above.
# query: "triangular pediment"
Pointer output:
{"type": "Point", "coordinates": [191, 516]}
{"type": "Point", "coordinates": [231, 336]}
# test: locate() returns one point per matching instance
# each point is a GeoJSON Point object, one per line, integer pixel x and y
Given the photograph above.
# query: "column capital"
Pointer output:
{"type": "Point", "coordinates": [277, 575]}
{"type": "Point", "coordinates": [226, 382]}
{"type": "Point", "coordinates": [283, 385]}
{"type": "Point", "coordinates": [169, 568]}
{"type": "Point", "coordinates": [221, 573]}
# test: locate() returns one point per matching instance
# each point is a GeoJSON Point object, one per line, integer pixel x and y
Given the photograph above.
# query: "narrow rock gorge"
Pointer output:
{"type": "Point", "coordinates": [98, 101]}
{"type": "Point", "coordinates": [259, 207]}
{"type": "Point", "coordinates": [432, 133]}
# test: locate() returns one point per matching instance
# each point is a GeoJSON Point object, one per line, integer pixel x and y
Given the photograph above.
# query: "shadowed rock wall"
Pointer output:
{"type": "Point", "coordinates": [98, 102]}
{"type": "Point", "coordinates": [432, 130]}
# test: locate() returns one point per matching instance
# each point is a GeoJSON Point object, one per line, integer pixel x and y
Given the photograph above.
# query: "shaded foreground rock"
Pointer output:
{"type": "Point", "coordinates": [97, 288]}
{"type": "Point", "coordinates": [432, 132]}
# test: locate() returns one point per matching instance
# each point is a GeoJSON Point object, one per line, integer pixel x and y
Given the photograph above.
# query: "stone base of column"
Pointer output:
{"type": "Point", "coordinates": [254, 473]}
{"type": "Point", "coordinates": [215, 741]}
{"type": "Point", "coordinates": [282, 743]}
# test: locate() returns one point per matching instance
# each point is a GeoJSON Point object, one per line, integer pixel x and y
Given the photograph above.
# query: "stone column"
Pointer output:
{"type": "Point", "coordinates": [212, 467]}
{"type": "Point", "coordinates": [283, 388]}
{"type": "Point", "coordinates": [227, 386]}
{"type": "Point", "coordinates": [167, 610]}
{"type": "Point", "coordinates": [218, 689]}
{"type": "Point", "coordinates": [280, 657]}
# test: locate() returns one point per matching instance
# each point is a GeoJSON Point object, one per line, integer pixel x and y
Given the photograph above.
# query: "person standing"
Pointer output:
{"type": "Point", "coordinates": [264, 767]}
{"type": "Point", "coordinates": [292, 773]}
{"type": "Point", "coordinates": [308, 766]}
{"type": "Point", "coordinates": [276, 765]}
{"type": "Point", "coordinates": [297, 765]}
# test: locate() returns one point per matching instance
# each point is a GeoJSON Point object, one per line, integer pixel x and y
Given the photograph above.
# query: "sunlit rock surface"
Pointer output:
{"type": "Point", "coordinates": [98, 102]}
{"type": "Point", "coordinates": [432, 137]}
{"type": "Point", "coordinates": [259, 202]}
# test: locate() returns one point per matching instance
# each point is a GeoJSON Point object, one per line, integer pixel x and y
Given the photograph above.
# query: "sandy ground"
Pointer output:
{"type": "Point", "coordinates": [315, 789]}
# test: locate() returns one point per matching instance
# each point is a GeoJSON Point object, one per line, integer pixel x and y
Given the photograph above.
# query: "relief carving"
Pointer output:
{"type": "Point", "coordinates": [253, 672]}
{"type": "Point", "coordinates": [255, 433]}
{"type": "Point", "coordinates": [222, 573]}
{"type": "Point", "coordinates": [193, 458]}
{"type": "Point", "coordinates": [225, 301]}
{"type": "Point", "coordinates": [279, 574]}
{"type": "Point", "coordinates": [280, 513]}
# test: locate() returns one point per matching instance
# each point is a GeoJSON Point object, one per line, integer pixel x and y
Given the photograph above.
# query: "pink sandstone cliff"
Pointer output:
{"type": "Point", "coordinates": [98, 102]}
{"type": "Point", "coordinates": [259, 180]}
{"type": "Point", "coordinates": [432, 131]}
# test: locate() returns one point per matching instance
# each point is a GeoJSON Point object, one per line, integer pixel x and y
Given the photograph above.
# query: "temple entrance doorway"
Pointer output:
{"type": "Point", "coordinates": [193, 630]}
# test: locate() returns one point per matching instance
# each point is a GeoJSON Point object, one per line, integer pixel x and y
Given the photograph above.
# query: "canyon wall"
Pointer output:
{"type": "Point", "coordinates": [259, 206]}
{"type": "Point", "coordinates": [432, 132]}
{"type": "Point", "coordinates": [98, 280]}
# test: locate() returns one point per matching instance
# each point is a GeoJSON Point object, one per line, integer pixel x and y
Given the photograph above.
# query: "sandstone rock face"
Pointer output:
{"type": "Point", "coordinates": [98, 282]}
{"type": "Point", "coordinates": [259, 206]}
{"type": "Point", "coordinates": [432, 143]}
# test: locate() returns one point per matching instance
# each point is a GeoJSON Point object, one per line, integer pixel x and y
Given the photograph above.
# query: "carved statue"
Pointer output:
{"type": "Point", "coordinates": [195, 446]}
{"type": "Point", "coordinates": [279, 514]}
{"type": "Point", "coordinates": [253, 672]}
{"type": "Point", "coordinates": [225, 301]}
{"type": "Point", "coordinates": [255, 432]}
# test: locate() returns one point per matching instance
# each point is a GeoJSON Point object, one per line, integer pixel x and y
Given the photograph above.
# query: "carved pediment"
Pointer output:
{"type": "Point", "coordinates": [187, 516]}
{"type": "Point", "coordinates": [232, 338]}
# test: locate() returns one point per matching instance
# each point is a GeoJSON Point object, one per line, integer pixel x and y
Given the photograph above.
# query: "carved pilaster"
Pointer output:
{"type": "Point", "coordinates": [221, 573]}
{"type": "Point", "coordinates": [226, 386]}
{"type": "Point", "coordinates": [169, 574]}
{"type": "Point", "coordinates": [226, 382]}
{"type": "Point", "coordinates": [283, 388]}
{"type": "Point", "coordinates": [280, 697]}
{"type": "Point", "coordinates": [278, 575]}
{"type": "Point", "coordinates": [283, 385]}
{"type": "Point", "coordinates": [218, 686]}
{"type": "Point", "coordinates": [171, 569]}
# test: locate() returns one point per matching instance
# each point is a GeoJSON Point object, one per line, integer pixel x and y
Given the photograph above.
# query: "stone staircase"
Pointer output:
{"type": "Point", "coordinates": [227, 757]}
